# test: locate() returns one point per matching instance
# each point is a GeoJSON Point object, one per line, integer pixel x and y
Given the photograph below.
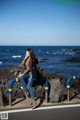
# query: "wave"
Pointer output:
{"type": "Point", "coordinates": [16, 56]}
{"type": "Point", "coordinates": [47, 52]}
{"type": "Point", "coordinates": [63, 52]}
{"type": "Point", "coordinates": [69, 53]}
{"type": "Point", "coordinates": [39, 50]}
{"type": "Point", "coordinates": [0, 62]}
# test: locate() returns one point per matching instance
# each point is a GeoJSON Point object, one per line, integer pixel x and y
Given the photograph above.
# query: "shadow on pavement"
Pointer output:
{"type": "Point", "coordinates": [18, 101]}
{"type": "Point", "coordinates": [41, 101]}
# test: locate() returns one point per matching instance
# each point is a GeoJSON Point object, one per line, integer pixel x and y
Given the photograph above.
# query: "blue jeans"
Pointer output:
{"type": "Point", "coordinates": [27, 78]}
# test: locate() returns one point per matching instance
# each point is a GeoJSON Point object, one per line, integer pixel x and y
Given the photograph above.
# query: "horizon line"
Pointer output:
{"type": "Point", "coordinates": [39, 45]}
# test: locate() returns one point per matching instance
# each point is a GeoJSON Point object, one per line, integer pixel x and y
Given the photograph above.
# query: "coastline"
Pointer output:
{"type": "Point", "coordinates": [55, 80]}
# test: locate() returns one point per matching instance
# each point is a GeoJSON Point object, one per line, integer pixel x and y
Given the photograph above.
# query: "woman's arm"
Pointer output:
{"type": "Point", "coordinates": [26, 71]}
{"type": "Point", "coordinates": [23, 61]}
{"type": "Point", "coordinates": [27, 68]}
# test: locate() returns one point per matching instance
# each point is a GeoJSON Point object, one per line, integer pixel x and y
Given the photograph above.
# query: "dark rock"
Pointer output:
{"type": "Point", "coordinates": [73, 60]}
{"type": "Point", "coordinates": [1, 98]}
{"type": "Point", "coordinates": [76, 49]}
{"type": "Point", "coordinates": [75, 87]}
{"type": "Point", "coordinates": [63, 81]}
{"type": "Point", "coordinates": [39, 91]}
{"type": "Point", "coordinates": [56, 90]}
{"type": "Point", "coordinates": [20, 94]}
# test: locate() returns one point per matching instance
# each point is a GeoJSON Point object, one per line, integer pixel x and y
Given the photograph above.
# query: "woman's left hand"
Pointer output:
{"type": "Point", "coordinates": [20, 75]}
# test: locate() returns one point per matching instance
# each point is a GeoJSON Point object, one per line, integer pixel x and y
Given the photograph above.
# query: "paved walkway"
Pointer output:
{"type": "Point", "coordinates": [22, 103]}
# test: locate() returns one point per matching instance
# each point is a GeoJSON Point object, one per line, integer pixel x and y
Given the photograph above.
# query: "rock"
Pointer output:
{"type": "Point", "coordinates": [39, 91]}
{"type": "Point", "coordinates": [76, 59]}
{"type": "Point", "coordinates": [1, 98]}
{"type": "Point", "coordinates": [78, 96]}
{"type": "Point", "coordinates": [17, 93]}
{"type": "Point", "coordinates": [76, 49]}
{"type": "Point", "coordinates": [20, 94]}
{"type": "Point", "coordinates": [63, 81]}
{"type": "Point", "coordinates": [56, 90]}
{"type": "Point", "coordinates": [75, 87]}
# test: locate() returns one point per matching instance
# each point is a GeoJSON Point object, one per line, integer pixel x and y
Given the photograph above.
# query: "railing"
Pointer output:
{"type": "Point", "coordinates": [68, 85]}
{"type": "Point", "coordinates": [11, 82]}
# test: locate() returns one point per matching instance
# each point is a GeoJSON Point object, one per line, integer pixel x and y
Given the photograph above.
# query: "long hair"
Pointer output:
{"type": "Point", "coordinates": [33, 64]}
{"type": "Point", "coordinates": [31, 54]}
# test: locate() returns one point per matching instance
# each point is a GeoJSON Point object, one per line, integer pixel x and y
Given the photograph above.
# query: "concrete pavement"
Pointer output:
{"type": "Point", "coordinates": [22, 103]}
{"type": "Point", "coordinates": [65, 112]}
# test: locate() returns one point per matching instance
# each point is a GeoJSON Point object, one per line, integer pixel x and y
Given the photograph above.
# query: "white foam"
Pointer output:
{"type": "Point", "coordinates": [70, 53]}
{"type": "Point", "coordinates": [47, 52]}
{"type": "Point", "coordinates": [0, 62]}
{"type": "Point", "coordinates": [16, 56]}
{"type": "Point", "coordinates": [63, 50]}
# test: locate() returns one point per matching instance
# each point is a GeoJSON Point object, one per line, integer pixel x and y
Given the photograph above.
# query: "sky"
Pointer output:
{"type": "Point", "coordinates": [39, 22]}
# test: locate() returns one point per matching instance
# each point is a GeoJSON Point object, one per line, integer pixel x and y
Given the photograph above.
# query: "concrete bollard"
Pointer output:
{"type": "Point", "coordinates": [10, 89]}
{"type": "Point", "coordinates": [10, 99]}
{"type": "Point", "coordinates": [10, 96]}
{"type": "Point", "coordinates": [46, 92]}
{"type": "Point", "coordinates": [68, 89]}
{"type": "Point", "coordinates": [68, 97]}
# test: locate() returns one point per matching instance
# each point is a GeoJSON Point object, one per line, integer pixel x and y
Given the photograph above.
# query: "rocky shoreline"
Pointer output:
{"type": "Point", "coordinates": [57, 86]}
{"type": "Point", "coordinates": [75, 59]}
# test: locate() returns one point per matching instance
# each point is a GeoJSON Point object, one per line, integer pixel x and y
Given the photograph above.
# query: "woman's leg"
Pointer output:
{"type": "Point", "coordinates": [26, 76]}
{"type": "Point", "coordinates": [29, 86]}
{"type": "Point", "coordinates": [30, 82]}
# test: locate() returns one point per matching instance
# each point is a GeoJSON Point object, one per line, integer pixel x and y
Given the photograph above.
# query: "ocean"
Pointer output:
{"type": "Point", "coordinates": [51, 58]}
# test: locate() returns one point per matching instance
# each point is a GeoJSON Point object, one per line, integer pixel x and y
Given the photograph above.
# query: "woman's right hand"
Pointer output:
{"type": "Point", "coordinates": [20, 75]}
{"type": "Point", "coordinates": [25, 57]}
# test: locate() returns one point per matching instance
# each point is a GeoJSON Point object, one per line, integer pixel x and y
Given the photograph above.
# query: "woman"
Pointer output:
{"type": "Point", "coordinates": [27, 74]}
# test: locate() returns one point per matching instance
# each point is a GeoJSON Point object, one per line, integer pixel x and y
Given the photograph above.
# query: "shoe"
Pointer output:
{"type": "Point", "coordinates": [34, 105]}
